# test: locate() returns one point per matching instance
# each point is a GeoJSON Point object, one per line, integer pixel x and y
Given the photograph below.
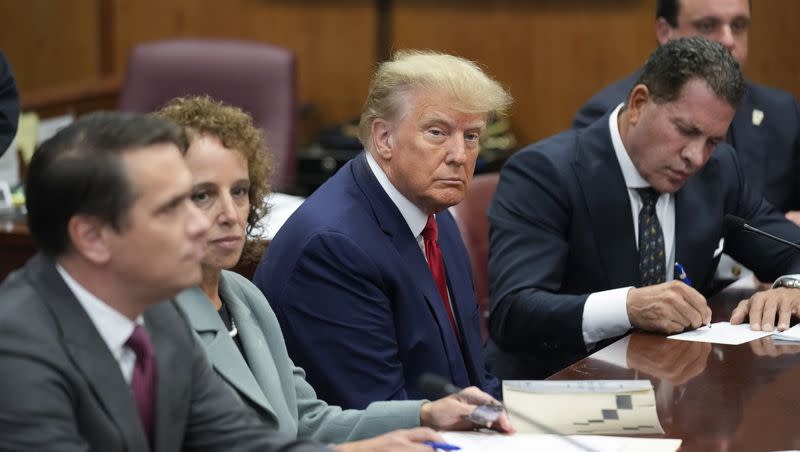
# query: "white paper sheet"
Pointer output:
{"type": "Point", "coordinates": [281, 207]}
{"type": "Point", "coordinates": [482, 442]}
{"type": "Point", "coordinates": [792, 334]}
{"type": "Point", "coordinates": [722, 333]}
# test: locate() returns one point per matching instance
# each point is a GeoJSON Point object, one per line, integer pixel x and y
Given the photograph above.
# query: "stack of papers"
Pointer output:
{"type": "Point", "coordinates": [586, 407]}
{"type": "Point", "coordinates": [482, 442]}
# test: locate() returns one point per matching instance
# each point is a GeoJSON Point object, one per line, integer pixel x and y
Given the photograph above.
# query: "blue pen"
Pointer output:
{"type": "Point", "coordinates": [680, 273]}
{"type": "Point", "coordinates": [441, 446]}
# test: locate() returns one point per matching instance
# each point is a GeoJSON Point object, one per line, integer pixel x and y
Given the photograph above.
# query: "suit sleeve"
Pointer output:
{"type": "Point", "coordinates": [9, 104]}
{"type": "Point", "coordinates": [315, 418]}
{"type": "Point", "coordinates": [529, 220]}
{"type": "Point", "coordinates": [796, 156]}
{"type": "Point", "coordinates": [767, 258]}
{"type": "Point", "coordinates": [220, 421]}
{"type": "Point", "coordinates": [331, 424]}
{"type": "Point", "coordinates": [338, 323]}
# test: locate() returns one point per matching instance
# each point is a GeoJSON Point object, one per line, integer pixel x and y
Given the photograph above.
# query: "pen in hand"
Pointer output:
{"type": "Point", "coordinates": [441, 446]}
{"type": "Point", "coordinates": [681, 275]}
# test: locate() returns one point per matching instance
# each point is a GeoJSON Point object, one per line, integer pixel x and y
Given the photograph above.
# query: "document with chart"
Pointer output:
{"type": "Point", "coordinates": [588, 407]}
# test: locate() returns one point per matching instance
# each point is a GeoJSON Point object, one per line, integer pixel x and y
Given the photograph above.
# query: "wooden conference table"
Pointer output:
{"type": "Point", "coordinates": [714, 397]}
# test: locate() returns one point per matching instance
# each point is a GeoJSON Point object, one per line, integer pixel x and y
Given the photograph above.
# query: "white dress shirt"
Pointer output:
{"type": "Point", "coordinates": [605, 313]}
{"type": "Point", "coordinates": [114, 328]}
{"type": "Point", "coordinates": [415, 218]}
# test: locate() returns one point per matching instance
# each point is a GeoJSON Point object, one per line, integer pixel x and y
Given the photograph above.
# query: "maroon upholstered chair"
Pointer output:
{"type": "Point", "coordinates": [473, 222]}
{"type": "Point", "coordinates": [256, 77]}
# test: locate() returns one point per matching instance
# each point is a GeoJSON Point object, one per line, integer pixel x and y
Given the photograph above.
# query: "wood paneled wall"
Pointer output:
{"type": "Point", "coordinates": [552, 54]}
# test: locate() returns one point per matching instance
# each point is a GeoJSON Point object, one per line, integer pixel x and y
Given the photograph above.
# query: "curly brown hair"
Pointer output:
{"type": "Point", "coordinates": [203, 115]}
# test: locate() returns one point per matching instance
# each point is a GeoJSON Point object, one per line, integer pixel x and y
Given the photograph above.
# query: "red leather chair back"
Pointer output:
{"type": "Point", "coordinates": [256, 77]}
{"type": "Point", "coordinates": [473, 222]}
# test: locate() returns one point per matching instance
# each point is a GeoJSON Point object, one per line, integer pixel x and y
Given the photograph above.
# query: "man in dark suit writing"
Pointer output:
{"type": "Point", "coordinates": [90, 356]}
{"type": "Point", "coordinates": [588, 227]}
{"type": "Point", "coordinates": [369, 277]}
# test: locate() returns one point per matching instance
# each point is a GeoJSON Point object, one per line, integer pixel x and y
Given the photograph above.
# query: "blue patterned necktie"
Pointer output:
{"type": "Point", "coordinates": [651, 240]}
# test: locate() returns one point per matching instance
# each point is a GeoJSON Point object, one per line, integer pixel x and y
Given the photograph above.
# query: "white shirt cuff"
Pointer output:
{"type": "Point", "coordinates": [605, 315]}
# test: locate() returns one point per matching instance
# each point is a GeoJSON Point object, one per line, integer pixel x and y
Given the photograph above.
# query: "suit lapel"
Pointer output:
{"type": "Point", "coordinates": [89, 353]}
{"type": "Point", "coordinates": [393, 224]}
{"type": "Point", "coordinates": [172, 393]}
{"type": "Point", "coordinates": [462, 296]}
{"type": "Point", "coordinates": [220, 347]}
{"type": "Point", "coordinates": [603, 186]}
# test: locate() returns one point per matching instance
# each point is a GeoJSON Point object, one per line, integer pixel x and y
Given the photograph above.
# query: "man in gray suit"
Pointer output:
{"type": "Point", "coordinates": [90, 357]}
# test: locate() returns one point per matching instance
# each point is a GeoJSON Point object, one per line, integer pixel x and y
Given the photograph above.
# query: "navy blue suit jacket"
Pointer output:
{"type": "Point", "coordinates": [561, 228]}
{"type": "Point", "coordinates": [769, 152]}
{"type": "Point", "coordinates": [356, 300]}
{"type": "Point", "coordinates": [9, 104]}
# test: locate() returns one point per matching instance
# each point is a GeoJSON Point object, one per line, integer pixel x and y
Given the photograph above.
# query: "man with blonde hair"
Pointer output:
{"type": "Point", "coordinates": [369, 278]}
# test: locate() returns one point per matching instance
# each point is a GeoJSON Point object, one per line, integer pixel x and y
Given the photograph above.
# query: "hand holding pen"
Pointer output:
{"type": "Point", "coordinates": [669, 307]}
{"type": "Point", "coordinates": [682, 276]}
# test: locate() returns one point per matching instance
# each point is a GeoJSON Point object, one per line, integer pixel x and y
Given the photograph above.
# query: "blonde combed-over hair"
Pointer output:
{"type": "Point", "coordinates": [463, 82]}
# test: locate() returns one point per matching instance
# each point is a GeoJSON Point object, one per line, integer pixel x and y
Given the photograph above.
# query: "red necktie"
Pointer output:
{"type": "Point", "coordinates": [434, 255]}
{"type": "Point", "coordinates": [143, 382]}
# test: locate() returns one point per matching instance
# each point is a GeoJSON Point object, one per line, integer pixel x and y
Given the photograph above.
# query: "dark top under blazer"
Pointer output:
{"type": "Point", "coordinates": [357, 303]}
{"type": "Point", "coordinates": [769, 153]}
{"type": "Point", "coordinates": [561, 228]}
{"type": "Point", "coordinates": [63, 390]}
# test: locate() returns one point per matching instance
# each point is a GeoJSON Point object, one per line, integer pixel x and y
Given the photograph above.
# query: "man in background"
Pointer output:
{"type": "Point", "coordinates": [765, 130]}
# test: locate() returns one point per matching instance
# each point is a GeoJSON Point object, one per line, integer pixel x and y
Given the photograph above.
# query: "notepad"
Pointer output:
{"type": "Point", "coordinates": [482, 442]}
{"type": "Point", "coordinates": [722, 333]}
{"type": "Point", "coordinates": [583, 407]}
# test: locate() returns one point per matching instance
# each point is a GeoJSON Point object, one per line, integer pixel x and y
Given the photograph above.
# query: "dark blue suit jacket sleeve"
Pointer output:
{"type": "Point", "coordinates": [529, 218]}
{"type": "Point", "coordinates": [9, 104]}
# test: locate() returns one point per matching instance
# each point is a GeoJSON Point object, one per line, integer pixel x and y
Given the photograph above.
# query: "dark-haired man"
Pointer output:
{"type": "Point", "coordinates": [766, 127]}
{"type": "Point", "coordinates": [587, 226]}
{"type": "Point", "coordinates": [90, 356]}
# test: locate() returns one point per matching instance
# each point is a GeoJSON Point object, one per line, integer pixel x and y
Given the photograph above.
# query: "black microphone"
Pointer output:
{"type": "Point", "coordinates": [435, 386]}
{"type": "Point", "coordinates": [736, 223]}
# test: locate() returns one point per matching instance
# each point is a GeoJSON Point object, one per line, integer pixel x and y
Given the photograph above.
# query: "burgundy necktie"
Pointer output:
{"type": "Point", "coordinates": [434, 255]}
{"type": "Point", "coordinates": [143, 382]}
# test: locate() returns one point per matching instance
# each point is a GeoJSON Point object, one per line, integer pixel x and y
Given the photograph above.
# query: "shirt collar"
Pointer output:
{"type": "Point", "coordinates": [632, 177]}
{"type": "Point", "coordinates": [414, 217]}
{"type": "Point", "coordinates": [113, 326]}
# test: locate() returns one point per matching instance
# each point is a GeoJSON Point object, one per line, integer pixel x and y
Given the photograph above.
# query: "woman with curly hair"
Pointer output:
{"type": "Point", "coordinates": [238, 329]}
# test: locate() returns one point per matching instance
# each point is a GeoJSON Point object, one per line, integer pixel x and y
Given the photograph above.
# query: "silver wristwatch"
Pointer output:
{"type": "Point", "coordinates": [792, 281]}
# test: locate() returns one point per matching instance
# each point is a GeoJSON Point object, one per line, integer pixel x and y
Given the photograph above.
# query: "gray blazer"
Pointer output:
{"type": "Point", "coordinates": [62, 390]}
{"type": "Point", "coordinates": [272, 383]}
